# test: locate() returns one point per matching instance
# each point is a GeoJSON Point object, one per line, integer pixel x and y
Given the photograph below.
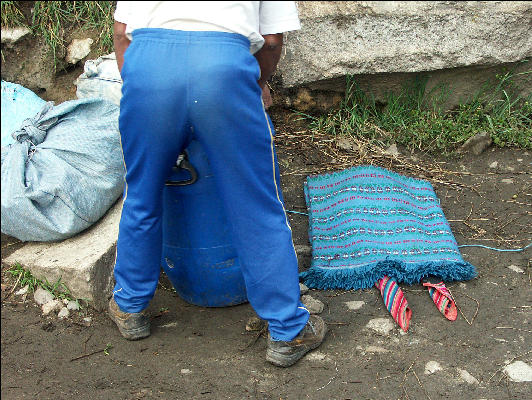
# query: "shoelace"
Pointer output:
{"type": "Point", "coordinates": [309, 323]}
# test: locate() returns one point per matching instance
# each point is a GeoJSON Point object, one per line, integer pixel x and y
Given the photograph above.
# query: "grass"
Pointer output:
{"type": "Point", "coordinates": [11, 15]}
{"type": "Point", "coordinates": [51, 19]}
{"type": "Point", "coordinates": [25, 278]}
{"type": "Point", "coordinates": [414, 116]}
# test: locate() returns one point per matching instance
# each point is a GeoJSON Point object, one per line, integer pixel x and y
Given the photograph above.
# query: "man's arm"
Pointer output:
{"type": "Point", "coordinates": [268, 57]}
{"type": "Point", "coordinates": [121, 43]}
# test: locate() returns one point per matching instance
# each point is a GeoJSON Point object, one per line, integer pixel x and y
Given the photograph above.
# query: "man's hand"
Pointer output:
{"type": "Point", "coordinates": [266, 97]}
{"type": "Point", "coordinates": [268, 57]}
{"type": "Point", "coordinates": [121, 43]}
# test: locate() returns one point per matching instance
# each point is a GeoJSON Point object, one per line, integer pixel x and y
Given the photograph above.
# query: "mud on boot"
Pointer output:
{"type": "Point", "coordinates": [285, 354]}
{"type": "Point", "coordinates": [132, 326]}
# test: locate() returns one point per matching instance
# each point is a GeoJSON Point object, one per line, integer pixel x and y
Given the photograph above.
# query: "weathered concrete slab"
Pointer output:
{"type": "Point", "coordinates": [84, 263]}
{"type": "Point", "coordinates": [456, 47]}
{"type": "Point", "coordinates": [370, 37]}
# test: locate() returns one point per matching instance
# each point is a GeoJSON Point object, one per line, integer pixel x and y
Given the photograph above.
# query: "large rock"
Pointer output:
{"type": "Point", "coordinates": [369, 37]}
{"type": "Point", "coordinates": [84, 262]}
{"type": "Point", "coordinates": [385, 43]}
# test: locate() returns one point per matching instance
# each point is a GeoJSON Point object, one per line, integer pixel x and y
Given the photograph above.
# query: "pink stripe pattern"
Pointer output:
{"type": "Point", "coordinates": [395, 301]}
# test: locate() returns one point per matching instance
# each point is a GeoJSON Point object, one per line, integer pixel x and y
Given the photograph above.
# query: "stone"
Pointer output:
{"type": "Point", "coordinates": [431, 367]}
{"type": "Point", "coordinates": [22, 291]}
{"type": "Point", "coordinates": [376, 349]}
{"type": "Point", "coordinates": [345, 143]}
{"type": "Point", "coordinates": [303, 253]}
{"type": "Point", "coordinates": [42, 296]}
{"type": "Point", "coordinates": [51, 306]}
{"type": "Point", "coordinates": [519, 371]}
{"type": "Point", "coordinates": [78, 49]}
{"type": "Point", "coordinates": [494, 165]}
{"type": "Point", "coordinates": [354, 305]}
{"type": "Point", "coordinates": [392, 150]}
{"type": "Point", "coordinates": [476, 144]}
{"type": "Point", "coordinates": [467, 377]}
{"type": "Point", "coordinates": [84, 262]}
{"type": "Point", "coordinates": [72, 305]}
{"type": "Point", "coordinates": [87, 321]}
{"type": "Point", "coordinates": [316, 356]}
{"type": "Point", "coordinates": [255, 324]}
{"type": "Point", "coordinates": [303, 289]}
{"type": "Point", "coordinates": [63, 313]}
{"type": "Point", "coordinates": [308, 100]}
{"type": "Point", "coordinates": [303, 100]}
{"type": "Point", "coordinates": [186, 371]}
{"type": "Point", "coordinates": [169, 325]}
{"type": "Point", "coordinates": [12, 35]}
{"type": "Point", "coordinates": [303, 250]}
{"type": "Point", "coordinates": [314, 306]}
{"type": "Point", "coordinates": [515, 268]}
{"type": "Point", "coordinates": [380, 325]}
{"type": "Point", "coordinates": [372, 37]}
{"type": "Point", "coordinates": [507, 181]}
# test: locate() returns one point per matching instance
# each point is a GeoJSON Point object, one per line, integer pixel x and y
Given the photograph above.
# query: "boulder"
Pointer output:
{"type": "Point", "coordinates": [370, 37]}
{"type": "Point", "coordinates": [385, 44]}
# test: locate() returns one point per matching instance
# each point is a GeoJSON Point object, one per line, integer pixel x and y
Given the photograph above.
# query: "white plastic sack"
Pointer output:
{"type": "Point", "coordinates": [18, 103]}
{"type": "Point", "coordinates": [100, 79]}
{"type": "Point", "coordinates": [64, 171]}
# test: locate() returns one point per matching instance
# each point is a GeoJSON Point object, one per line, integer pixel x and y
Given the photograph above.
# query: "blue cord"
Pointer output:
{"type": "Point", "coordinates": [297, 212]}
{"type": "Point", "coordinates": [493, 248]}
{"type": "Point", "coordinates": [464, 245]}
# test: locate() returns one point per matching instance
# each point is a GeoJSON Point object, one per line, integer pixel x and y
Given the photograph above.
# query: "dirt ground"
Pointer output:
{"type": "Point", "coordinates": [206, 353]}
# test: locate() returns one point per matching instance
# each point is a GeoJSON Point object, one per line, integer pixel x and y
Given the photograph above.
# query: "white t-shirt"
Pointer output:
{"type": "Point", "coordinates": [248, 18]}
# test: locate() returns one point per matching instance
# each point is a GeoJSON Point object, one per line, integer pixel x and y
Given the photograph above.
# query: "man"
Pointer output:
{"type": "Point", "coordinates": [199, 69]}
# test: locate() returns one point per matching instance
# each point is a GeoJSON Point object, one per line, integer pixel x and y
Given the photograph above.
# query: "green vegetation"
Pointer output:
{"type": "Point", "coordinates": [11, 15]}
{"type": "Point", "coordinates": [24, 277]}
{"type": "Point", "coordinates": [413, 117]}
{"type": "Point", "coordinates": [50, 19]}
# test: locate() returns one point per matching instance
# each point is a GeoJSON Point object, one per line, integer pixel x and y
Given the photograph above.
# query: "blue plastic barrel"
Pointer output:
{"type": "Point", "coordinates": [198, 255]}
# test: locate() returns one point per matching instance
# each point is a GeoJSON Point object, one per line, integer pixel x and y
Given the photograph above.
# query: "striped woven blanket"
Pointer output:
{"type": "Point", "coordinates": [367, 222]}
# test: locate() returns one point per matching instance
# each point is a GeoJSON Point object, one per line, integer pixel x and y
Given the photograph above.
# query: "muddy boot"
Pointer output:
{"type": "Point", "coordinates": [132, 326]}
{"type": "Point", "coordinates": [285, 354]}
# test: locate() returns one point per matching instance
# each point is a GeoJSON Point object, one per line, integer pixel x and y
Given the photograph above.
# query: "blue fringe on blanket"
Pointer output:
{"type": "Point", "coordinates": [367, 222]}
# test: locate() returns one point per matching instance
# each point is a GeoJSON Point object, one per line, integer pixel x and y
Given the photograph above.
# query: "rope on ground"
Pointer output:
{"type": "Point", "coordinates": [495, 249]}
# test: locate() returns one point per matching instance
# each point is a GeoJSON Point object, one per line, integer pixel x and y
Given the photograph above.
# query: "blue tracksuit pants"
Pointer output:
{"type": "Point", "coordinates": [177, 84]}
